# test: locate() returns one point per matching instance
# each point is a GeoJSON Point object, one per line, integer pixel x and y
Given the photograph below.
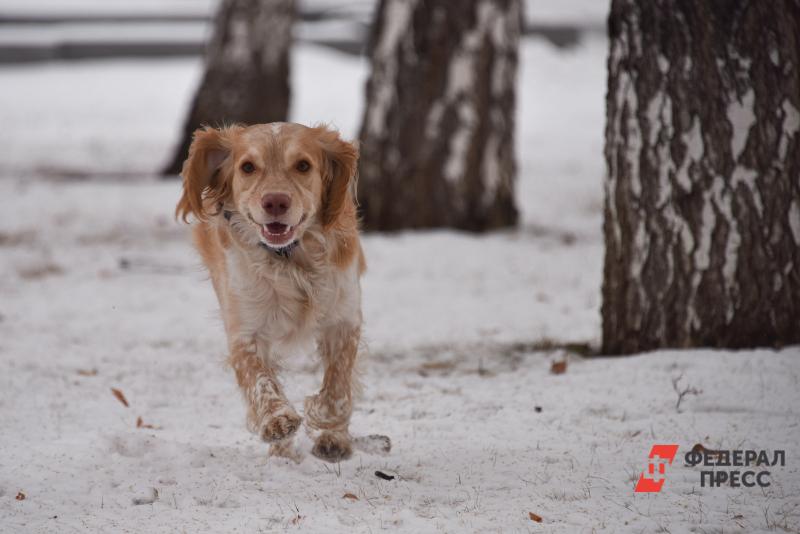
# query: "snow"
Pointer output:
{"type": "Point", "coordinates": [561, 118]}
{"type": "Point", "coordinates": [126, 32]}
{"type": "Point", "coordinates": [93, 117]}
{"type": "Point", "coordinates": [584, 13]}
{"type": "Point", "coordinates": [100, 289]}
{"type": "Point", "coordinates": [322, 82]}
{"type": "Point", "coordinates": [334, 29]}
{"type": "Point", "coordinates": [54, 134]}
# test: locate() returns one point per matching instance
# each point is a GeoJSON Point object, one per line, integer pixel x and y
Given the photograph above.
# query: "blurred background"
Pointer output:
{"type": "Point", "coordinates": [95, 96]}
{"type": "Point", "coordinates": [476, 324]}
{"type": "Point", "coordinates": [101, 89]}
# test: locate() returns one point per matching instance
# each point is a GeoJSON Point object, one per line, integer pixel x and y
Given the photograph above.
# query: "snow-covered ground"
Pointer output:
{"type": "Point", "coordinates": [100, 289]}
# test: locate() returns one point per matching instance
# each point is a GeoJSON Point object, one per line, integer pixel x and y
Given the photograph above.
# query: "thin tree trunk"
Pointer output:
{"type": "Point", "coordinates": [437, 140]}
{"type": "Point", "coordinates": [702, 210]}
{"type": "Point", "coordinates": [246, 75]}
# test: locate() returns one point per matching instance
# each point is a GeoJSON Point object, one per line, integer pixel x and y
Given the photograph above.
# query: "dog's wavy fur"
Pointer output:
{"type": "Point", "coordinates": [272, 304]}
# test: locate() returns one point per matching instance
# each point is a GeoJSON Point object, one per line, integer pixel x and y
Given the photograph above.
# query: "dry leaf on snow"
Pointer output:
{"type": "Point", "coordinates": [120, 397]}
{"type": "Point", "coordinates": [141, 424]}
{"type": "Point", "coordinates": [559, 368]}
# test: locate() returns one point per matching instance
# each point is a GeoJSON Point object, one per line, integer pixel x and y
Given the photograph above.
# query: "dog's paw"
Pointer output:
{"type": "Point", "coordinates": [280, 425]}
{"type": "Point", "coordinates": [327, 414]}
{"type": "Point", "coordinates": [332, 447]}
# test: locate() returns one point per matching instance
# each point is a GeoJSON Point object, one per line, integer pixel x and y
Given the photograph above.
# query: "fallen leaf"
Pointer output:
{"type": "Point", "coordinates": [438, 366]}
{"type": "Point", "coordinates": [87, 372]}
{"type": "Point", "coordinates": [140, 424]}
{"type": "Point", "coordinates": [350, 496]}
{"type": "Point", "coordinates": [535, 517]}
{"type": "Point", "coordinates": [559, 368]}
{"type": "Point", "coordinates": [120, 397]}
{"type": "Point", "coordinates": [700, 448]}
{"type": "Point", "coordinates": [20, 496]}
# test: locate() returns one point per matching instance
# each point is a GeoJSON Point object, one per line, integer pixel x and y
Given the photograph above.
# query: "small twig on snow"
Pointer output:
{"type": "Point", "coordinates": [683, 392]}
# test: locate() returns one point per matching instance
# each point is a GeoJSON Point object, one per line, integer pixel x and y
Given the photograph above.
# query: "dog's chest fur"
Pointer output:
{"type": "Point", "coordinates": [285, 303]}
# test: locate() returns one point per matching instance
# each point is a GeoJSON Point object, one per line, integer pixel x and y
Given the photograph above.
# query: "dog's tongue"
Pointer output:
{"type": "Point", "coordinates": [276, 228]}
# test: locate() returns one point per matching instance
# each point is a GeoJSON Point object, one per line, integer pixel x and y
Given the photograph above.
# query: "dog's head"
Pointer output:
{"type": "Point", "coordinates": [281, 177]}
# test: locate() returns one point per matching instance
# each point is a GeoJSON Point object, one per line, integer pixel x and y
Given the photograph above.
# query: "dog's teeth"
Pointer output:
{"type": "Point", "coordinates": [288, 229]}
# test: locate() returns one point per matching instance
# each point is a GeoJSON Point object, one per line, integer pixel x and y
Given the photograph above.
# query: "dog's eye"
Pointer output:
{"type": "Point", "coordinates": [303, 165]}
{"type": "Point", "coordinates": [248, 167]}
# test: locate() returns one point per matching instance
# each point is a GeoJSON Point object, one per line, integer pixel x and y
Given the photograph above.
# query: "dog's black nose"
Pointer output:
{"type": "Point", "coordinates": [276, 204]}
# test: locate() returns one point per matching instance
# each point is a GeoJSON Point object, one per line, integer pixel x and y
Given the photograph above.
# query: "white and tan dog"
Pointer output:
{"type": "Point", "coordinates": [278, 232]}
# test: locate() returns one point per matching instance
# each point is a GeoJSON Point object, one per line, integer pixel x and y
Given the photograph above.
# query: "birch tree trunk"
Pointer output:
{"type": "Point", "coordinates": [437, 139]}
{"type": "Point", "coordinates": [246, 76]}
{"type": "Point", "coordinates": [702, 208]}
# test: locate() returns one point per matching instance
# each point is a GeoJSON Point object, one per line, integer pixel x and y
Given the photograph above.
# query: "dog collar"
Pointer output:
{"type": "Point", "coordinates": [283, 252]}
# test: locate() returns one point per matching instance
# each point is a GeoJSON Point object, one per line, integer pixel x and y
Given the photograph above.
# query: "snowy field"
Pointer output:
{"type": "Point", "coordinates": [100, 289]}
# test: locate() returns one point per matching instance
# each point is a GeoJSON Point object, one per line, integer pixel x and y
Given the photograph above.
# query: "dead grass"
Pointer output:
{"type": "Point", "coordinates": [37, 272]}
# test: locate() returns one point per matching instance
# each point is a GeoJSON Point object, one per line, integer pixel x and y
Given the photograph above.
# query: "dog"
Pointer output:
{"type": "Point", "coordinates": [277, 229]}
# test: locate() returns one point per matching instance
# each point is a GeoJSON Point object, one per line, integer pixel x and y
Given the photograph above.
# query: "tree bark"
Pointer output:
{"type": "Point", "coordinates": [437, 139]}
{"type": "Point", "coordinates": [246, 78]}
{"type": "Point", "coordinates": [702, 207]}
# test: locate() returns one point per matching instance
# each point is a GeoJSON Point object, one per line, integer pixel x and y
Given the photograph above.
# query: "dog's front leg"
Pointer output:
{"type": "Point", "coordinates": [269, 413]}
{"type": "Point", "coordinates": [329, 410]}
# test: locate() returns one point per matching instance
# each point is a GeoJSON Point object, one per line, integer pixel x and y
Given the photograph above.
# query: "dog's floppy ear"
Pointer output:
{"type": "Point", "coordinates": [339, 174]}
{"type": "Point", "coordinates": [205, 173]}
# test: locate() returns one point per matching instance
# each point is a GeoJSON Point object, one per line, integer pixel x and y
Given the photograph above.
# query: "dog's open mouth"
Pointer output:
{"type": "Point", "coordinates": [277, 234]}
